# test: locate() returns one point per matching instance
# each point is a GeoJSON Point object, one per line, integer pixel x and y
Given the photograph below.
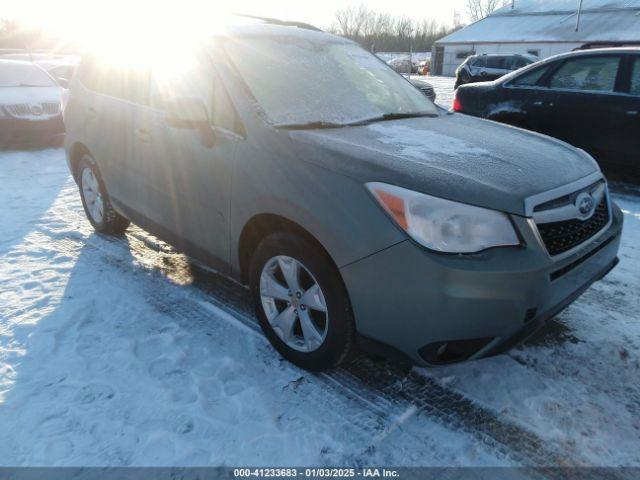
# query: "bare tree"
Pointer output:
{"type": "Point", "coordinates": [478, 9]}
{"type": "Point", "coordinates": [352, 20]}
{"type": "Point", "coordinates": [383, 32]}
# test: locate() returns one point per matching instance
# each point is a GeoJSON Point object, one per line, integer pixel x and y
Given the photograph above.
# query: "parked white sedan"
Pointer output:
{"type": "Point", "coordinates": [30, 104]}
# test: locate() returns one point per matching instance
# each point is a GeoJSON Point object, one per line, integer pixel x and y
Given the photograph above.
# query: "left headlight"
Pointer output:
{"type": "Point", "coordinates": [444, 225]}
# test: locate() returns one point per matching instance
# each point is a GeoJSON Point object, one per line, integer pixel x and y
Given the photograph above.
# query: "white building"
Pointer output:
{"type": "Point", "coordinates": [540, 27]}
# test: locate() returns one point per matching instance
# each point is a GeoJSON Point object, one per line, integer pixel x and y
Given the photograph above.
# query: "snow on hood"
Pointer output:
{"type": "Point", "coordinates": [15, 95]}
{"type": "Point", "coordinates": [457, 157]}
{"type": "Point", "coordinates": [419, 144]}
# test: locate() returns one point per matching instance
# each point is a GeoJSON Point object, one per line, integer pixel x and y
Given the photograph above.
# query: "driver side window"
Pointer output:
{"type": "Point", "coordinates": [530, 78]}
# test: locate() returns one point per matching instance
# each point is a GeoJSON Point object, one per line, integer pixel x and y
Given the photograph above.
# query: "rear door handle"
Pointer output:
{"type": "Point", "coordinates": [540, 103]}
{"type": "Point", "coordinates": [91, 111]}
{"type": "Point", "coordinates": [143, 135]}
{"type": "Point", "coordinates": [633, 113]}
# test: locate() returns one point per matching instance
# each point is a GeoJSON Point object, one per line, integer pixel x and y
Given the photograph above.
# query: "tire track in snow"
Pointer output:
{"type": "Point", "coordinates": [389, 393]}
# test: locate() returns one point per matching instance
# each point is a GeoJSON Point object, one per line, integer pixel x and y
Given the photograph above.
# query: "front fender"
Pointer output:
{"type": "Point", "coordinates": [336, 210]}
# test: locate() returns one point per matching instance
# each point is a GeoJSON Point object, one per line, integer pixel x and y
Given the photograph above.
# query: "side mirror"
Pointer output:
{"type": "Point", "coordinates": [63, 82]}
{"type": "Point", "coordinates": [190, 113]}
{"type": "Point", "coordinates": [186, 112]}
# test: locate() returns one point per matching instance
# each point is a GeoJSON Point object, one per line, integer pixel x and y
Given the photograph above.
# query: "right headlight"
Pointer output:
{"type": "Point", "coordinates": [444, 225]}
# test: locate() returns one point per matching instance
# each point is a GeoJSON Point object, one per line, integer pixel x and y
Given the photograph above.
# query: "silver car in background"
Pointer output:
{"type": "Point", "coordinates": [30, 105]}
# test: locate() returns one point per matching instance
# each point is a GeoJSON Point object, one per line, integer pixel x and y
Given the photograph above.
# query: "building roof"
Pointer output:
{"type": "Point", "coordinates": [555, 21]}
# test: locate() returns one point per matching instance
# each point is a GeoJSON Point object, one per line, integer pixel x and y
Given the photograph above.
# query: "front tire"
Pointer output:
{"type": "Point", "coordinates": [95, 199]}
{"type": "Point", "coordinates": [301, 302]}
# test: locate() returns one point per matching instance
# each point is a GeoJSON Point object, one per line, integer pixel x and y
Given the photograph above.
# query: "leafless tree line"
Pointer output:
{"type": "Point", "coordinates": [385, 33]}
{"type": "Point", "coordinates": [478, 9]}
{"type": "Point", "coordinates": [15, 35]}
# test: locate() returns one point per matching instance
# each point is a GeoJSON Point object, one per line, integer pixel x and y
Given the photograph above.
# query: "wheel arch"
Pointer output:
{"type": "Point", "coordinates": [258, 227]}
{"type": "Point", "coordinates": [76, 152]}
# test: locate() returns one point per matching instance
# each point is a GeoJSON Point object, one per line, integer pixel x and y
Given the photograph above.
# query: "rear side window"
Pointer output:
{"type": "Point", "coordinates": [597, 74]}
{"type": "Point", "coordinates": [496, 62]}
{"type": "Point", "coordinates": [635, 77]}
{"type": "Point", "coordinates": [126, 83]}
{"type": "Point", "coordinates": [531, 78]}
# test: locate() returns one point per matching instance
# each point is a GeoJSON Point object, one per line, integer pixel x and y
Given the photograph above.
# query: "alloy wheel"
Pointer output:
{"type": "Point", "coordinates": [294, 303]}
{"type": "Point", "coordinates": [92, 195]}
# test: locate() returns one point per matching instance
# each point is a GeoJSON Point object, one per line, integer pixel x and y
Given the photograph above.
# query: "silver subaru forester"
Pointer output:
{"type": "Point", "coordinates": [357, 211]}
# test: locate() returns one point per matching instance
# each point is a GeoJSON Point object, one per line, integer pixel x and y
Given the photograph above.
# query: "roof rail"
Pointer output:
{"type": "Point", "coordinates": [285, 23]}
{"type": "Point", "coordinates": [594, 45]}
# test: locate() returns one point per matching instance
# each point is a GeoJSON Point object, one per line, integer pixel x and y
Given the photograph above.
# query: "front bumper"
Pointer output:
{"type": "Point", "coordinates": [437, 309]}
{"type": "Point", "coordinates": [18, 131]}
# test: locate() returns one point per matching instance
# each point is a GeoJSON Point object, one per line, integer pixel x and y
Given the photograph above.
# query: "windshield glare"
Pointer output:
{"type": "Point", "coordinates": [298, 81]}
{"type": "Point", "coordinates": [27, 74]}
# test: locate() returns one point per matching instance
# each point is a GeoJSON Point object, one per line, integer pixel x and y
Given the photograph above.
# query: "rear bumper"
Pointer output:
{"type": "Point", "coordinates": [439, 309]}
{"type": "Point", "coordinates": [15, 131]}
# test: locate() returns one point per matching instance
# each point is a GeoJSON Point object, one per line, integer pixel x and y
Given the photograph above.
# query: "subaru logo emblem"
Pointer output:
{"type": "Point", "coordinates": [36, 110]}
{"type": "Point", "coordinates": [585, 204]}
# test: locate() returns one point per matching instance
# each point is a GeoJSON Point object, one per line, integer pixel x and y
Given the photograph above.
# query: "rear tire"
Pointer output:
{"type": "Point", "coordinates": [287, 272]}
{"type": "Point", "coordinates": [95, 199]}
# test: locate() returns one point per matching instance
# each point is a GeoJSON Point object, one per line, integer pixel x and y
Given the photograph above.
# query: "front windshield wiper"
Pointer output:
{"type": "Point", "coordinates": [380, 118]}
{"type": "Point", "coordinates": [312, 125]}
{"type": "Point", "coordinates": [396, 116]}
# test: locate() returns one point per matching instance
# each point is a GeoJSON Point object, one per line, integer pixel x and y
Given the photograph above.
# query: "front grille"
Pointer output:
{"type": "Point", "coordinates": [560, 237]}
{"type": "Point", "coordinates": [24, 109]}
{"type": "Point", "coordinates": [51, 108]}
{"type": "Point", "coordinates": [18, 109]}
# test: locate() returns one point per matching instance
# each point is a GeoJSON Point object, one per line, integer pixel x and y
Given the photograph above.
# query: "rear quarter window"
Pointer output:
{"type": "Point", "coordinates": [126, 83]}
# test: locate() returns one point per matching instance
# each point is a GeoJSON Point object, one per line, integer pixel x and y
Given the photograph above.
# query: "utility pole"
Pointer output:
{"type": "Point", "coordinates": [410, 59]}
{"type": "Point", "coordinates": [578, 16]}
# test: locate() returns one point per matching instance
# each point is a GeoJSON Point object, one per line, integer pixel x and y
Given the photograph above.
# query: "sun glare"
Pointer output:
{"type": "Point", "coordinates": [134, 32]}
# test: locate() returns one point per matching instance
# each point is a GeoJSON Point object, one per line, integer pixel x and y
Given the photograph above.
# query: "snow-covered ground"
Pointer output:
{"type": "Point", "coordinates": [443, 87]}
{"type": "Point", "coordinates": [121, 352]}
{"type": "Point", "coordinates": [107, 360]}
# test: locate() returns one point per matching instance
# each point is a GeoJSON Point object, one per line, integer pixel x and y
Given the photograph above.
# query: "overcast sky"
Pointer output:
{"type": "Point", "coordinates": [319, 12]}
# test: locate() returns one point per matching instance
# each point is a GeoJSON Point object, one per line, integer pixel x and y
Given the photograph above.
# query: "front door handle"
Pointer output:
{"type": "Point", "coordinates": [540, 103]}
{"type": "Point", "coordinates": [633, 113]}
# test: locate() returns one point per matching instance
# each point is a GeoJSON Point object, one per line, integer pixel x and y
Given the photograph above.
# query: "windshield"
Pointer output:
{"type": "Point", "coordinates": [16, 74]}
{"type": "Point", "coordinates": [299, 81]}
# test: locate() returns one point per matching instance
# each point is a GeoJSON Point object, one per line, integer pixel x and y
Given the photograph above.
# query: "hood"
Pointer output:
{"type": "Point", "coordinates": [17, 95]}
{"type": "Point", "coordinates": [457, 157]}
